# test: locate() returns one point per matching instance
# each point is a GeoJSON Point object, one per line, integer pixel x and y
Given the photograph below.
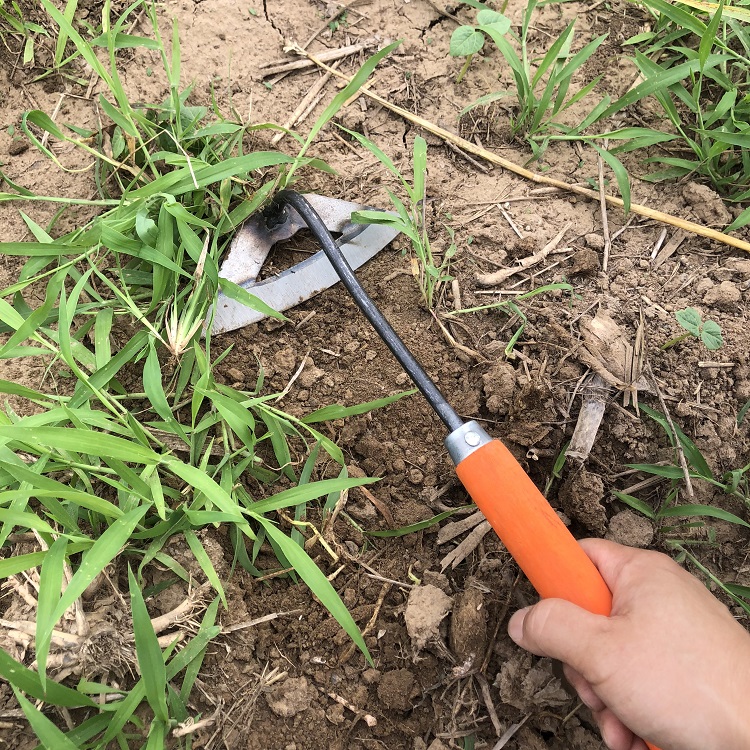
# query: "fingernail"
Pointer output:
{"type": "Point", "coordinates": [515, 625]}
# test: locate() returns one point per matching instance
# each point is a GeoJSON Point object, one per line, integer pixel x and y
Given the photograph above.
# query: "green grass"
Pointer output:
{"type": "Point", "coordinates": [102, 472]}
{"type": "Point", "coordinates": [541, 89]}
{"type": "Point", "coordinates": [670, 511]}
{"type": "Point", "coordinates": [698, 72]}
{"type": "Point", "coordinates": [18, 35]}
{"type": "Point", "coordinates": [708, 109]}
{"type": "Point", "coordinates": [431, 269]}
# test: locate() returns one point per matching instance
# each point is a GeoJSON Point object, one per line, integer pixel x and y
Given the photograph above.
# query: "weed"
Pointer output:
{"type": "Point", "coordinates": [511, 307]}
{"type": "Point", "coordinates": [707, 331]}
{"type": "Point", "coordinates": [15, 28]}
{"type": "Point", "coordinates": [541, 93]}
{"type": "Point", "coordinates": [699, 74]}
{"type": "Point", "coordinates": [184, 452]}
{"type": "Point", "coordinates": [431, 273]}
{"type": "Point", "coordinates": [708, 107]}
{"type": "Point", "coordinates": [466, 41]}
{"type": "Point", "coordinates": [735, 484]}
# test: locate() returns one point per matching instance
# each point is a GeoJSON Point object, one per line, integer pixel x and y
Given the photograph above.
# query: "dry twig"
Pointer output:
{"type": "Point", "coordinates": [497, 277]}
{"type": "Point", "coordinates": [329, 55]}
{"type": "Point", "coordinates": [605, 220]}
{"type": "Point", "coordinates": [460, 553]}
{"type": "Point", "coordinates": [650, 213]}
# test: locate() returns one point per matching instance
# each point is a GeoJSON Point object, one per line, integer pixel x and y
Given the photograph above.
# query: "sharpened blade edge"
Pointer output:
{"type": "Point", "coordinates": [299, 283]}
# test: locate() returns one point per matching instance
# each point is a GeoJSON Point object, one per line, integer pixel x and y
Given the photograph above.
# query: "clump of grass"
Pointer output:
{"type": "Point", "coordinates": [430, 269]}
{"type": "Point", "coordinates": [18, 34]}
{"type": "Point", "coordinates": [102, 470]}
{"type": "Point", "coordinates": [542, 91]}
{"type": "Point", "coordinates": [511, 308]}
{"type": "Point", "coordinates": [708, 107]}
{"type": "Point", "coordinates": [734, 483]}
{"type": "Point", "coordinates": [698, 72]}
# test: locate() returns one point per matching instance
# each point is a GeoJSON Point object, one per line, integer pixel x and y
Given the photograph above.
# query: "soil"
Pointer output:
{"type": "Point", "coordinates": [444, 668]}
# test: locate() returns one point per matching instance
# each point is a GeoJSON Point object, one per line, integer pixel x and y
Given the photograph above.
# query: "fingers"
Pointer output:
{"type": "Point", "coordinates": [615, 734]}
{"type": "Point", "coordinates": [559, 629]}
{"type": "Point", "coordinates": [583, 687]}
{"type": "Point", "coordinates": [610, 558]}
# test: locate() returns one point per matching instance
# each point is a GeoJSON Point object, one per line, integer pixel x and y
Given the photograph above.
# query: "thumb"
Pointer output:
{"type": "Point", "coordinates": [560, 630]}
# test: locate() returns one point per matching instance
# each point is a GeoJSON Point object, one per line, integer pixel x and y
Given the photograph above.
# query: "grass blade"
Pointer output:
{"type": "Point", "coordinates": [240, 294]}
{"type": "Point", "coordinates": [150, 658]}
{"type": "Point", "coordinates": [24, 679]}
{"type": "Point", "coordinates": [93, 443]}
{"type": "Point", "coordinates": [206, 565]}
{"type": "Point", "coordinates": [338, 101]}
{"type": "Point", "coordinates": [306, 492]}
{"type": "Point", "coordinates": [709, 38]}
{"type": "Point", "coordinates": [104, 550]}
{"type": "Point", "coordinates": [47, 732]}
{"type": "Point", "coordinates": [50, 586]}
{"type": "Point", "coordinates": [335, 411]}
{"type": "Point", "coordinates": [621, 174]}
{"type": "Point", "coordinates": [700, 511]}
{"type": "Point", "coordinates": [317, 583]}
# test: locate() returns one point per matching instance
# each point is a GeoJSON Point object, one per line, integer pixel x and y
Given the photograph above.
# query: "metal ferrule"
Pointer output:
{"type": "Point", "coordinates": [461, 443]}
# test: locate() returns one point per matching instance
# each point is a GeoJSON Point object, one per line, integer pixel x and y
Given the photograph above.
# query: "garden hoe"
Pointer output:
{"type": "Point", "coordinates": [520, 515]}
{"type": "Point", "coordinates": [252, 243]}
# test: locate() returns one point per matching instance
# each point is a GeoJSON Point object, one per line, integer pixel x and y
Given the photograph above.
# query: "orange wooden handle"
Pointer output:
{"type": "Point", "coordinates": [531, 530]}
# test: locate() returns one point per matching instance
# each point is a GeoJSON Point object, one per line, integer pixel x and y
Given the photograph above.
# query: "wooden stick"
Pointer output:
{"type": "Point", "coordinates": [650, 213]}
{"type": "Point", "coordinates": [309, 100]}
{"type": "Point", "coordinates": [334, 54]}
{"type": "Point", "coordinates": [605, 220]}
{"type": "Point", "coordinates": [492, 279]}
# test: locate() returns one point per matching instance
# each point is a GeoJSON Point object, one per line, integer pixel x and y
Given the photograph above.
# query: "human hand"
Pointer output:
{"type": "Point", "coordinates": [670, 664]}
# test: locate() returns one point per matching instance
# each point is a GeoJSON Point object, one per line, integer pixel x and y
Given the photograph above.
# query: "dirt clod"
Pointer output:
{"type": "Point", "coordinates": [594, 240]}
{"type": "Point", "coordinates": [706, 204]}
{"type": "Point", "coordinates": [630, 529]}
{"type": "Point", "coordinates": [425, 610]}
{"type": "Point", "coordinates": [468, 638]}
{"type": "Point", "coordinates": [291, 697]}
{"type": "Point", "coordinates": [525, 684]}
{"type": "Point", "coordinates": [395, 689]}
{"type": "Point", "coordinates": [17, 147]}
{"type": "Point", "coordinates": [584, 262]}
{"type": "Point", "coordinates": [310, 375]}
{"type": "Point", "coordinates": [499, 386]}
{"type": "Point", "coordinates": [371, 676]}
{"type": "Point", "coordinates": [236, 375]}
{"type": "Point", "coordinates": [726, 296]}
{"type": "Point", "coordinates": [581, 495]}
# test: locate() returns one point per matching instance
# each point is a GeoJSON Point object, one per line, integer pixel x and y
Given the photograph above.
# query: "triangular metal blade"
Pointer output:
{"type": "Point", "coordinates": [301, 282]}
{"type": "Point", "coordinates": [254, 239]}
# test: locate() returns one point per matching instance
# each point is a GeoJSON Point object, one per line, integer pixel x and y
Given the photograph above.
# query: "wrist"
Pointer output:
{"type": "Point", "coordinates": [736, 716]}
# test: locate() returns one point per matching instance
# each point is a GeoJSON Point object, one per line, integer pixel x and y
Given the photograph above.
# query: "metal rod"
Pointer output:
{"type": "Point", "coordinates": [383, 328]}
